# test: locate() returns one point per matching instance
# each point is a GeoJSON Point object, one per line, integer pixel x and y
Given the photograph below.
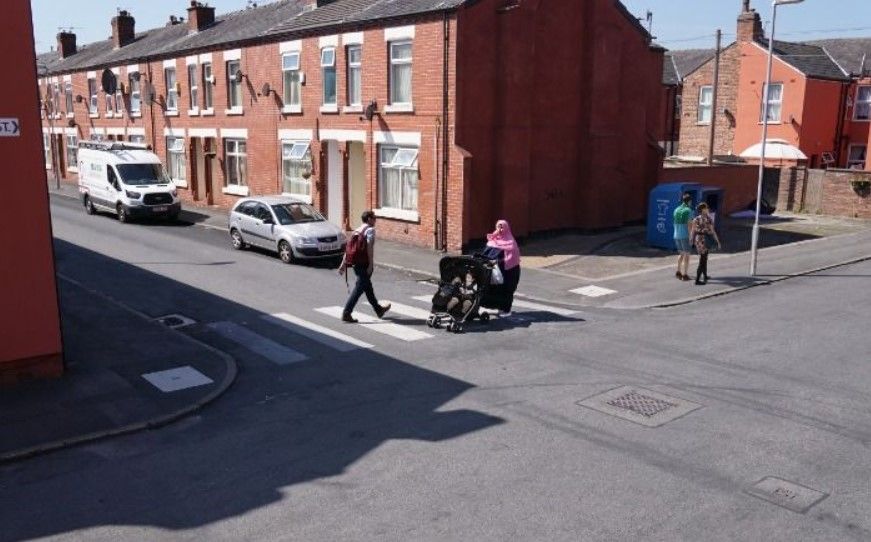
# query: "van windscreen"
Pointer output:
{"type": "Point", "coordinates": [142, 174]}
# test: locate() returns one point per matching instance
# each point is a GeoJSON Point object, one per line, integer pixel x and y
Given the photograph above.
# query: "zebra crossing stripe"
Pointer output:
{"type": "Point", "coordinates": [396, 331]}
{"type": "Point", "coordinates": [316, 332]}
{"type": "Point", "coordinates": [260, 345]}
{"type": "Point", "coordinates": [406, 310]}
{"type": "Point", "coordinates": [519, 303]}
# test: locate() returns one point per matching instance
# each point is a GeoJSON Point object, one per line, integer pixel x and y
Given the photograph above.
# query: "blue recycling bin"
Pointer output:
{"type": "Point", "coordinates": [713, 196]}
{"type": "Point", "coordinates": [664, 199]}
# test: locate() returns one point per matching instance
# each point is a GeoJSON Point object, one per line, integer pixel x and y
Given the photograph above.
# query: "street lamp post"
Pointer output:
{"type": "Point", "coordinates": [754, 240]}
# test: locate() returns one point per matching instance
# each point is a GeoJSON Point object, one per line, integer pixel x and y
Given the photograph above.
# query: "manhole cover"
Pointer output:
{"type": "Point", "coordinates": [789, 495]}
{"type": "Point", "coordinates": [642, 406]}
{"type": "Point", "coordinates": [175, 321]}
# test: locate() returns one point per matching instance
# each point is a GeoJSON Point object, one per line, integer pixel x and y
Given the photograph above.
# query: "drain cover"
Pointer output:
{"type": "Point", "coordinates": [639, 405]}
{"type": "Point", "coordinates": [175, 321]}
{"type": "Point", "coordinates": [789, 495]}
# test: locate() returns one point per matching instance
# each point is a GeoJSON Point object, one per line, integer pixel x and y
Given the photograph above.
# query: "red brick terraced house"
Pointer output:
{"type": "Point", "coordinates": [441, 115]}
{"type": "Point", "coordinates": [676, 66]}
{"type": "Point", "coordinates": [820, 98]}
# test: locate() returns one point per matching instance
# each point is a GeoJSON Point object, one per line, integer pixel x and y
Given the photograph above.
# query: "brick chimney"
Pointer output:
{"type": "Point", "coordinates": [123, 31]}
{"type": "Point", "coordinates": [749, 24]}
{"type": "Point", "coordinates": [66, 44]}
{"type": "Point", "coordinates": [200, 16]}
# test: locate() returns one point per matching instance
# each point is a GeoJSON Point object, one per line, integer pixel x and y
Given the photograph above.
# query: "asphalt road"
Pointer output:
{"type": "Point", "coordinates": [479, 436]}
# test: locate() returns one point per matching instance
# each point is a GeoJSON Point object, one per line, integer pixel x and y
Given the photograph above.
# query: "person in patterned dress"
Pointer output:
{"type": "Point", "coordinates": [700, 227]}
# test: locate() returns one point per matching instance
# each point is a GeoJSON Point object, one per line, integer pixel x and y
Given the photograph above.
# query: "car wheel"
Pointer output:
{"type": "Point", "coordinates": [236, 239]}
{"type": "Point", "coordinates": [285, 252]}
{"type": "Point", "coordinates": [89, 205]}
{"type": "Point", "coordinates": [122, 214]}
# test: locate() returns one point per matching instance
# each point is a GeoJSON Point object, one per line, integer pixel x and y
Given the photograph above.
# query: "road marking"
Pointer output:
{"type": "Point", "coordinates": [316, 332]}
{"type": "Point", "coordinates": [519, 303]}
{"type": "Point", "coordinates": [179, 378]}
{"type": "Point", "coordinates": [260, 345]}
{"type": "Point", "coordinates": [406, 310]}
{"type": "Point", "coordinates": [593, 291]}
{"type": "Point", "coordinates": [397, 331]}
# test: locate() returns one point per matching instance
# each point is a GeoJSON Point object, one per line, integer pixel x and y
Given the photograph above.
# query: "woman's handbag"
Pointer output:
{"type": "Point", "coordinates": [496, 276]}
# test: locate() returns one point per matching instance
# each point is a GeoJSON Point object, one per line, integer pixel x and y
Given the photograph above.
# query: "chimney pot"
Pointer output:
{"type": "Point", "coordinates": [200, 16]}
{"type": "Point", "coordinates": [123, 29]}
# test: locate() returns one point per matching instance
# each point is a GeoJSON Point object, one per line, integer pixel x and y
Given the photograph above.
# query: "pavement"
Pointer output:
{"type": "Point", "coordinates": [110, 347]}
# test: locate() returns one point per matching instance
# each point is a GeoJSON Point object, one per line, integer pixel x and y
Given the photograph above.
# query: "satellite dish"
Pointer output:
{"type": "Point", "coordinates": [238, 76]}
{"type": "Point", "coordinates": [136, 76]}
{"type": "Point", "coordinates": [265, 90]}
{"type": "Point", "coordinates": [79, 98]}
{"type": "Point", "coordinates": [371, 110]}
{"type": "Point", "coordinates": [109, 81]}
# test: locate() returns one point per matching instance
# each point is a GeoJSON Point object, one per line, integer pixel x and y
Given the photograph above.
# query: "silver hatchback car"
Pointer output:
{"type": "Point", "coordinates": [292, 228]}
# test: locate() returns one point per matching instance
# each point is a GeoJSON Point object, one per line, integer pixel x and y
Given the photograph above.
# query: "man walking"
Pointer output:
{"type": "Point", "coordinates": [360, 255]}
{"type": "Point", "coordinates": [682, 216]}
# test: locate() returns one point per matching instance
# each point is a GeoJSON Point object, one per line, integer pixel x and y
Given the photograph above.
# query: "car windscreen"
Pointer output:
{"type": "Point", "coordinates": [141, 174]}
{"type": "Point", "coordinates": [296, 213]}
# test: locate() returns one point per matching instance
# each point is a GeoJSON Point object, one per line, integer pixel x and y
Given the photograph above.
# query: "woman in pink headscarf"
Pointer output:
{"type": "Point", "coordinates": [502, 239]}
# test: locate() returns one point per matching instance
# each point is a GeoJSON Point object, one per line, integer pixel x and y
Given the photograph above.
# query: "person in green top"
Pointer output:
{"type": "Point", "coordinates": [682, 216]}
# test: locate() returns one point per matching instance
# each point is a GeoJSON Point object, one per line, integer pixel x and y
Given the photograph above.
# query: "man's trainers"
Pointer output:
{"type": "Point", "coordinates": [382, 310]}
{"type": "Point", "coordinates": [347, 318]}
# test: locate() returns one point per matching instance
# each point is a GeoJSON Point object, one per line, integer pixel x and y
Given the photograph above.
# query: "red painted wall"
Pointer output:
{"type": "Point", "coordinates": [738, 182]}
{"type": "Point", "coordinates": [30, 339]}
{"type": "Point", "coordinates": [819, 125]}
{"type": "Point", "coordinates": [560, 111]}
{"type": "Point", "coordinates": [855, 131]}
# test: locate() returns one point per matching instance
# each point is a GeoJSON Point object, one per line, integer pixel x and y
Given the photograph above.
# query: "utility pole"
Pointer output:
{"type": "Point", "coordinates": [714, 99]}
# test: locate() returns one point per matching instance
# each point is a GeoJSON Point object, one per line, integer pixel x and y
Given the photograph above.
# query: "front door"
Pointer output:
{"type": "Point", "coordinates": [334, 183]}
{"type": "Point", "coordinates": [356, 183]}
{"type": "Point", "coordinates": [263, 227]}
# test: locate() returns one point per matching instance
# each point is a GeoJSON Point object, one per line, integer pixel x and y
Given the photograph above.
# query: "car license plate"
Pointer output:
{"type": "Point", "coordinates": [326, 247]}
{"type": "Point", "coordinates": [160, 209]}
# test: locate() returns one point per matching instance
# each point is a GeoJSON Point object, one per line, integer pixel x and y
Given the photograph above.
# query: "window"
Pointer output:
{"type": "Point", "coordinates": [207, 85]}
{"type": "Point", "coordinates": [328, 66]}
{"type": "Point", "coordinates": [234, 87]}
{"type": "Point", "coordinates": [175, 157]}
{"type": "Point", "coordinates": [862, 109]}
{"type": "Point", "coordinates": [858, 155]}
{"type": "Point", "coordinates": [56, 98]}
{"type": "Point", "coordinates": [92, 96]}
{"type": "Point", "coordinates": [72, 151]}
{"type": "Point", "coordinates": [119, 101]}
{"type": "Point", "coordinates": [193, 83]}
{"type": "Point", "coordinates": [706, 104]}
{"type": "Point", "coordinates": [355, 57]}
{"type": "Point", "coordinates": [236, 162]}
{"type": "Point", "coordinates": [46, 149]}
{"type": "Point", "coordinates": [171, 89]}
{"type": "Point", "coordinates": [292, 83]}
{"type": "Point", "coordinates": [296, 167]}
{"type": "Point", "coordinates": [400, 72]}
{"type": "Point", "coordinates": [136, 139]}
{"type": "Point", "coordinates": [135, 94]}
{"type": "Point", "coordinates": [775, 103]}
{"type": "Point", "coordinates": [68, 95]}
{"type": "Point", "coordinates": [296, 213]}
{"type": "Point", "coordinates": [110, 104]}
{"type": "Point", "coordinates": [398, 178]}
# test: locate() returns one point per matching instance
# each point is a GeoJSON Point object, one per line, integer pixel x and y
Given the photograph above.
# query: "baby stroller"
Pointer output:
{"type": "Point", "coordinates": [463, 283]}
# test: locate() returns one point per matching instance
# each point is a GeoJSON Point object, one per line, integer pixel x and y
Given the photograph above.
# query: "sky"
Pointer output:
{"type": "Point", "coordinates": [677, 24]}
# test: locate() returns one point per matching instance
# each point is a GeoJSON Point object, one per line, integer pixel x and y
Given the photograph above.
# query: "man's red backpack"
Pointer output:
{"type": "Point", "coordinates": [357, 249]}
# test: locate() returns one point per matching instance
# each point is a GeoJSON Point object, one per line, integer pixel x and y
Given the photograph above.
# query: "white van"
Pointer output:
{"type": "Point", "coordinates": [126, 179]}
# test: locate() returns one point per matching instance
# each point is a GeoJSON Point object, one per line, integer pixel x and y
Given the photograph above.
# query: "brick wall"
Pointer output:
{"type": "Point", "coordinates": [695, 137]}
{"type": "Point", "coordinates": [827, 192]}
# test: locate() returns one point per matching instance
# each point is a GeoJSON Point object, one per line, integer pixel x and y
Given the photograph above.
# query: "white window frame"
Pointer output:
{"type": "Point", "coordinates": [233, 108]}
{"type": "Point", "coordinates": [119, 102]}
{"type": "Point", "coordinates": [176, 159]}
{"type": "Point", "coordinates": [705, 106]}
{"type": "Point", "coordinates": [288, 70]}
{"type": "Point", "coordinates": [72, 165]}
{"type": "Point", "coordinates": [56, 99]}
{"type": "Point", "coordinates": [193, 73]}
{"type": "Point", "coordinates": [136, 138]}
{"type": "Point", "coordinates": [240, 156]}
{"type": "Point", "coordinates": [135, 88]}
{"type": "Point", "coordinates": [357, 83]}
{"type": "Point", "coordinates": [171, 89]}
{"type": "Point", "coordinates": [394, 103]}
{"type": "Point", "coordinates": [766, 95]}
{"type": "Point", "coordinates": [110, 103]}
{"type": "Point", "coordinates": [864, 104]}
{"type": "Point", "coordinates": [329, 66]}
{"type": "Point", "coordinates": [208, 88]}
{"type": "Point", "coordinates": [93, 98]}
{"type": "Point", "coordinates": [405, 160]}
{"type": "Point", "coordinates": [300, 151]}
{"type": "Point", "coordinates": [856, 163]}
{"type": "Point", "coordinates": [46, 147]}
{"type": "Point", "coordinates": [68, 99]}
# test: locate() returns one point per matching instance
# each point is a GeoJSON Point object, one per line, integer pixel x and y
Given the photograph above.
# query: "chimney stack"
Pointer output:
{"type": "Point", "coordinates": [200, 16]}
{"type": "Point", "coordinates": [66, 44]}
{"type": "Point", "coordinates": [123, 31]}
{"type": "Point", "coordinates": [749, 24]}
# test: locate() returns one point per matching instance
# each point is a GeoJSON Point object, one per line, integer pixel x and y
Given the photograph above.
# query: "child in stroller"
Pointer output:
{"type": "Point", "coordinates": [463, 283]}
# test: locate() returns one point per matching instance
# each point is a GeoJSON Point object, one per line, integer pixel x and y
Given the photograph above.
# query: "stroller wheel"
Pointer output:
{"type": "Point", "coordinates": [485, 316]}
{"type": "Point", "coordinates": [458, 328]}
{"type": "Point", "coordinates": [430, 321]}
{"type": "Point", "coordinates": [450, 327]}
{"type": "Point", "coordinates": [437, 323]}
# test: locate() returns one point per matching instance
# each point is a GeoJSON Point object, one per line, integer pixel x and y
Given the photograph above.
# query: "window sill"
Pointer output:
{"type": "Point", "coordinates": [352, 109]}
{"type": "Point", "coordinates": [194, 112]}
{"type": "Point", "coordinates": [93, 115]}
{"type": "Point", "coordinates": [119, 115]}
{"type": "Point", "coordinates": [398, 214]}
{"type": "Point", "coordinates": [71, 115]}
{"type": "Point", "coordinates": [207, 112]}
{"type": "Point", "coordinates": [771, 123]}
{"type": "Point", "coordinates": [135, 115]}
{"type": "Point", "coordinates": [703, 123]}
{"type": "Point", "coordinates": [173, 113]}
{"type": "Point", "coordinates": [73, 169]}
{"type": "Point", "coordinates": [330, 109]}
{"type": "Point", "coordinates": [301, 197]}
{"type": "Point", "coordinates": [234, 111]}
{"type": "Point", "coordinates": [235, 190]}
{"type": "Point", "coordinates": [861, 120]}
{"type": "Point", "coordinates": [180, 183]}
{"type": "Point", "coordinates": [292, 109]}
{"type": "Point", "coordinates": [399, 108]}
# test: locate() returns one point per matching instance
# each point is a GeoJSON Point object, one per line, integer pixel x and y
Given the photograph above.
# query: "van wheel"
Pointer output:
{"type": "Point", "coordinates": [122, 214]}
{"type": "Point", "coordinates": [285, 252]}
{"type": "Point", "coordinates": [236, 239]}
{"type": "Point", "coordinates": [89, 205]}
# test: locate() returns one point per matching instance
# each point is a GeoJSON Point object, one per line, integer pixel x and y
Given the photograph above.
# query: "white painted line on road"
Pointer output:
{"type": "Point", "coordinates": [179, 378]}
{"type": "Point", "coordinates": [425, 298]}
{"type": "Point", "coordinates": [316, 332]}
{"type": "Point", "coordinates": [593, 291]}
{"type": "Point", "coordinates": [260, 345]}
{"type": "Point", "coordinates": [406, 310]}
{"type": "Point", "coordinates": [520, 303]}
{"type": "Point", "coordinates": [397, 331]}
